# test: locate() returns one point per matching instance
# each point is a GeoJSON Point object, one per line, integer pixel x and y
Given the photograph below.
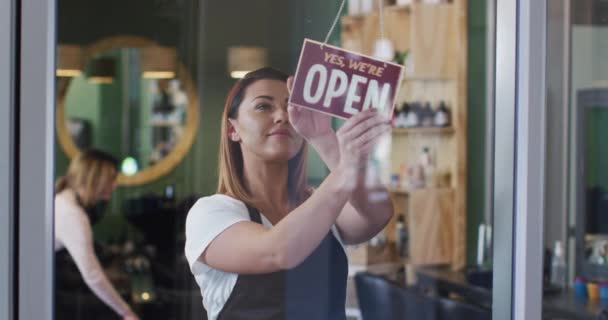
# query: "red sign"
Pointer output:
{"type": "Point", "coordinates": [342, 83]}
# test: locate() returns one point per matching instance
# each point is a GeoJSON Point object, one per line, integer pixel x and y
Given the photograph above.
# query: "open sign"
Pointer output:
{"type": "Point", "coordinates": [342, 83]}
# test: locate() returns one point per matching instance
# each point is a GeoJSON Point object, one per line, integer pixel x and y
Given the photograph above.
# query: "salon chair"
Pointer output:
{"type": "Point", "coordinates": [457, 310]}
{"type": "Point", "coordinates": [380, 298]}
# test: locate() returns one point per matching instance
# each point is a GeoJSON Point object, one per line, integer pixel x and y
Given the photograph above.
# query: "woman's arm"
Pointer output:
{"type": "Point", "coordinates": [76, 234]}
{"type": "Point", "coordinates": [246, 247]}
{"type": "Point", "coordinates": [368, 209]}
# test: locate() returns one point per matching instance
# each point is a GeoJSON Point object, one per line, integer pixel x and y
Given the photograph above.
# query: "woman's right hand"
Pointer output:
{"type": "Point", "coordinates": [356, 139]}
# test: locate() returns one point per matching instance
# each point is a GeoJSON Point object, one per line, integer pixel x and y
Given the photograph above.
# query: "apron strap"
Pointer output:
{"type": "Point", "coordinates": [254, 214]}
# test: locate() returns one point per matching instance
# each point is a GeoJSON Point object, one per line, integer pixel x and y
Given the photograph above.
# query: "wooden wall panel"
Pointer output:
{"type": "Point", "coordinates": [431, 228]}
{"type": "Point", "coordinates": [433, 36]}
{"type": "Point", "coordinates": [359, 33]}
{"type": "Point", "coordinates": [436, 36]}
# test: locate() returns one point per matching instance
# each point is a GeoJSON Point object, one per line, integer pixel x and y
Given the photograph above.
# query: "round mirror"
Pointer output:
{"type": "Point", "coordinates": [133, 99]}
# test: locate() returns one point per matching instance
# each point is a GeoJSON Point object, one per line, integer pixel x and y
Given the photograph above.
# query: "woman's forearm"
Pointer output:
{"type": "Point", "coordinates": [374, 204]}
{"type": "Point", "coordinates": [300, 232]}
{"type": "Point", "coordinates": [95, 278]}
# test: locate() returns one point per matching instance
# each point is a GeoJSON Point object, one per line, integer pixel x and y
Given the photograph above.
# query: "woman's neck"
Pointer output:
{"type": "Point", "coordinates": [267, 183]}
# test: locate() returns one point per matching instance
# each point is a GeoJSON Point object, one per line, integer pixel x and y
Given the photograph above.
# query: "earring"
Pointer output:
{"type": "Point", "coordinates": [234, 137]}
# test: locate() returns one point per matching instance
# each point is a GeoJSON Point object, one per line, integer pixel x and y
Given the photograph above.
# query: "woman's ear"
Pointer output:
{"type": "Point", "coordinates": [232, 134]}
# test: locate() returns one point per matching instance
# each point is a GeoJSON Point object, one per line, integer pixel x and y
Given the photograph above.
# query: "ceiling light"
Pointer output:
{"type": "Point", "coordinates": [102, 70]}
{"type": "Point", "coordinates": [69, 60]}
{"type": "Point", "coordinates": [158, 62]}
{"type": "Point", "coordinates": [243, 59]}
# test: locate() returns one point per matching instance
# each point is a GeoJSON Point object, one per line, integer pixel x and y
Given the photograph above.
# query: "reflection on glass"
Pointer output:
{"type": "Point", "coordinates": [595, 184]}
{"type": "Point", "coordinates": [576, 230]}
{"type": "Point", "coordinates": [81, 196]}
{"type": "Point", "coordinates": [113, 107]}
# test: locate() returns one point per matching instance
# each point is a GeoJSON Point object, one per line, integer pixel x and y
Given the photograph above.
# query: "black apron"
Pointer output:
{"type": "Point", "coordinates": [314, 290]}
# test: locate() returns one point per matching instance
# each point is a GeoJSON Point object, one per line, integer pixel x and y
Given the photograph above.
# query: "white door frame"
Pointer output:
{"type": "Point", "coordinates": [36, 147]}
{"type": "Point", "coordinates": [519, 158]}
{"type": "Point", "coordinates": [504, 163]}
{"type": "Point", "coordinates": [7, 108]}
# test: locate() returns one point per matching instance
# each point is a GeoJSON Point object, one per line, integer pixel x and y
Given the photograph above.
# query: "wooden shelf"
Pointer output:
{"type": "Point", "coordinates": [398, 7]}
{"type": "Point", "coordinates": [435, 35]}
{"type": "Point", "coordinates": [428, 131]}
{"type": "Point", "coordinates": [399, 191]}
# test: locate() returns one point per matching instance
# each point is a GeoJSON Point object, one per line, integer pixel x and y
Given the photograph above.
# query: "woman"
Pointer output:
{"type": "Point", "coordinates": [265, 246]}
{"type": "Point", "coordinates": [89, 182]}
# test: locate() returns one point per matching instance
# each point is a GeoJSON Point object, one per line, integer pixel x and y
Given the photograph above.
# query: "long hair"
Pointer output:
{"type": "Point", "coordinates": [231, 180]}
{"type": "Point", "coordinates": [88, 174]}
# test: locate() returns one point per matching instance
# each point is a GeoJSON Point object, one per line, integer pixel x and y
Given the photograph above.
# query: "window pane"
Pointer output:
{"type": "Point", "coordinates": [164, 174]}
{"type": "Point", "coordinates": [577, 104]}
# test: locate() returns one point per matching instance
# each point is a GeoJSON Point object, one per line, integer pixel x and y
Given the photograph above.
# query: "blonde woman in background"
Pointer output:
{"type": "Point", "coordinates": [89, 182]}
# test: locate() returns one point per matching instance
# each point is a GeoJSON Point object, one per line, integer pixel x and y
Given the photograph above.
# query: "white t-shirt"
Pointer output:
{"type": "Point", "coordinates": [73, 232]}
{"type": "Point", "coordinates": [209, 217]}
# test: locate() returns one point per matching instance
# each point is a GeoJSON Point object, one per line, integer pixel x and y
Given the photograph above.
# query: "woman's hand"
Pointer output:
{"type": "Point", "coordinates": [307, 123]}
{"type": "Point", "coordinates": [356, 139]}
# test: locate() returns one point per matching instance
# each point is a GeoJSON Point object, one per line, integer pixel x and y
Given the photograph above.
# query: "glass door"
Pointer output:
{"type": "Point", "coordinates": [146, 82]}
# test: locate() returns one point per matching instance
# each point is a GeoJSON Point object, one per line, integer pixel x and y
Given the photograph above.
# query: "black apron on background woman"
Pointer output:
{"type": "Point", "coordinates": [314, 290]}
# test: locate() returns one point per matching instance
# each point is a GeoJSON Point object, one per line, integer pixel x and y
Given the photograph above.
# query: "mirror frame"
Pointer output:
{"type": "Point", "coordinates": [166, 164]}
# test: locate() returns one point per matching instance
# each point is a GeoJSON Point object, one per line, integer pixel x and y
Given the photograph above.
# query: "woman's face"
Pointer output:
{"type": "Point", "coordinates": [262, 126]}
{"type": "Point", "coordinates": [106, 192]}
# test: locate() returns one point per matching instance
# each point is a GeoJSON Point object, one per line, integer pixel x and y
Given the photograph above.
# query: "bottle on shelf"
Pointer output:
{"type": "Point", "coordinates": [426, 118]}
{"type": "Point", "coordinates": [401, 115]}
{"type": "Point", "coordinates": [366, 6]}
{"type": "Point", "coordinates": [354, 7]}
{"type": "Point", "coordinates": [401, 236]}
{"type": "Point", "coordinates": [427, 163]}
{"type": "Point", "coordinates": [558, 267]}
{"type": "Point", "coordinates": [413, 116]}
{"type": "Point", "coordinates": [597, 254]}
{"type": "Point", "coordinates": [442, 116]}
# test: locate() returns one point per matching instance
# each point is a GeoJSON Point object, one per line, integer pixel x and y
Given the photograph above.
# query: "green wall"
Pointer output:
{"type": "Point", "coordinates": [476, 119]}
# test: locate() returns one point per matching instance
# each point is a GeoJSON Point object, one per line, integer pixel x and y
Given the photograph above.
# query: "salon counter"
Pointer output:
{"type": "Point", "coordinates": [556, 305]}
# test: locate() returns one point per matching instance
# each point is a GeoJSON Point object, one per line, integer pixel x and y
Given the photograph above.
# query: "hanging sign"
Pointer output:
{"type": "Point", "coordinates": [342, 83]}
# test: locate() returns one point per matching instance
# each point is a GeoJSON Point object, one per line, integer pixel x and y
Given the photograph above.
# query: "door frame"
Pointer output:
{"type": "Point", "coordinates": [7, 162]}
{"type": "Point", "coordinates": [36, 158]}
{"type": "Point", "coordinates": [519, 153]}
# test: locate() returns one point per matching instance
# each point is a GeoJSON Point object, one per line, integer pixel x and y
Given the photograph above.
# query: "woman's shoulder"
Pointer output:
{"type": "Point", "coordinates": [65, 202]}
{"type": "Point", "coordinates": [207, 218]}
{"type": "Point", "coordinates": [70, 219]}
{"type": "Point", "coordinates": [217, 201]}
{"type": "Point", "coordinates": [218, 206]}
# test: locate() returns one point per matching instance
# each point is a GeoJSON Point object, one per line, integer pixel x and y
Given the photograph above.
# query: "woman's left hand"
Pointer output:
{"type": "Point", "coordinates": [307, 123]}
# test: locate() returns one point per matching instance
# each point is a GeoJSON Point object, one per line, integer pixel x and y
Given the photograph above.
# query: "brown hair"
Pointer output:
{"type": "Point", "coordinates": [88, 174]}
{"type": "Point", "coordinates": [230, 155]}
